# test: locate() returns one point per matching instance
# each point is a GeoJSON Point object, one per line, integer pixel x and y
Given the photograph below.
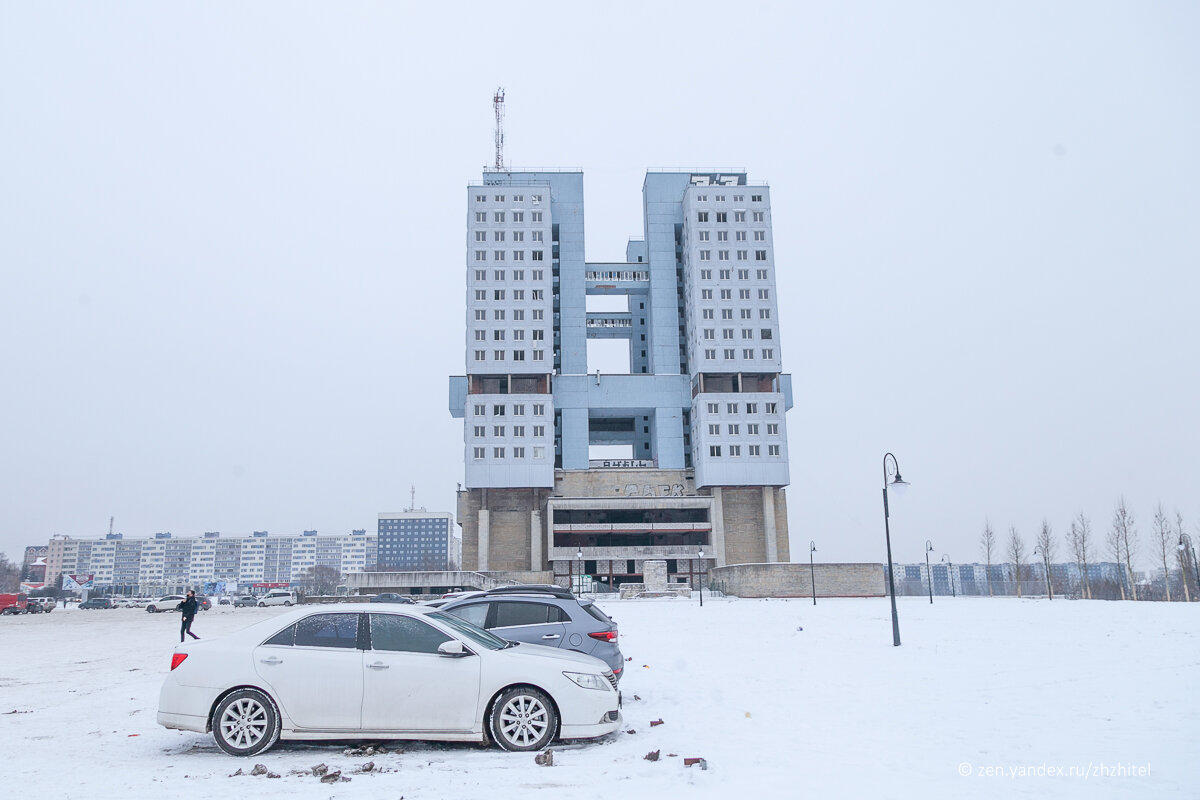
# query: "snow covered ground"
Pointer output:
{"type": "Point", "coordinates": [986, 698]}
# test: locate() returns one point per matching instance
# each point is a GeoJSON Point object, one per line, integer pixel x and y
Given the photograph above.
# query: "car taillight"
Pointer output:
{"type": "Point", "coordinates": [177, 659]}
{"type": "Point", "coordinates": [605, 636]}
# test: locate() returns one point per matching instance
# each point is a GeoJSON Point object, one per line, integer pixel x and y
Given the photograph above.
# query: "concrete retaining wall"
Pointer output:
{"type": "Point", "coordinates": [795, 580]}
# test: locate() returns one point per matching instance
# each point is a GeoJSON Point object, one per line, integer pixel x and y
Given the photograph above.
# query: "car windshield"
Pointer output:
{"type": "Point", "coordinates": [477, 635]}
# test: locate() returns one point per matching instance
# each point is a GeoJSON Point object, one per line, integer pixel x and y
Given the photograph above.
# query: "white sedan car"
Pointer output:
{"type": "Point", "coordinates": [392, 672]}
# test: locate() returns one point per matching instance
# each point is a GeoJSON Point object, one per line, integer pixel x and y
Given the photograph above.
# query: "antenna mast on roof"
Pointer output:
{"type": "Point", "coordinates": [412, 494]}
{"type": "Point", "coordinates": [498, 105]}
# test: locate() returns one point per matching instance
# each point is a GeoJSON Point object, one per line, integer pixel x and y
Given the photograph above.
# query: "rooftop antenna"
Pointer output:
{"type": "Point", "coordinates": [498, 105]}
{"type": "Point", "coordinates": [412, 495]}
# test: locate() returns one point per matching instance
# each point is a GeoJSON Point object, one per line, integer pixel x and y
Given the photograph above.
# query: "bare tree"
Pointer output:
{"type": "Point", "coordinates": [321, 580]}
{"type": "Point", "coordinates": [1123, 525]}
{"type": "Point", "coordinates": [988, 542]}
{"type": "Point", "coordinates": [1045, 544]}
{"type": "Point", "coordinates": [1016, 554]}
{"type": "Point", "coordinates": [1080, 540]}
{"type": "Point", "coordinates": [1162, 538]}
{"type": "Point", "coordinates": [1112, 540]}
{"type": "Point", "coordinates": [1183, 557]}
{"type": "Point", "coordinates": [10, 575]}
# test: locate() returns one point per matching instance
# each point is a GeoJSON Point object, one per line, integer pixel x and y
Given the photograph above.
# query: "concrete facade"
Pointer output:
{"type": "Point", "coordinates": [699, 414]}
{"type": "Point", "coordinates": [796, 580]}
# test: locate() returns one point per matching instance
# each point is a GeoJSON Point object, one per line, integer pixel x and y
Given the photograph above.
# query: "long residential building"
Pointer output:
{"type": "Point", "coordinates": [164, 563]}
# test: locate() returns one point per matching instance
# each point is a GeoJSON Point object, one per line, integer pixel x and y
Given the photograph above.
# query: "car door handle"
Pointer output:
{"type": "Point", "coordinates": [272, 660]}
{"type": "Point", "coordinates": [551, 636]}
{"type": "Point", "coordinates": [377, 665]}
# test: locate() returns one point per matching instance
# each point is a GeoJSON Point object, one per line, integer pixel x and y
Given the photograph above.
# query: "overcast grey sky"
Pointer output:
{"type": "Point", "coordinates": [232, 238]}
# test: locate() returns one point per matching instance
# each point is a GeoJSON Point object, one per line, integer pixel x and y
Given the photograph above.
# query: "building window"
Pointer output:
{"type": "Point", "coordinates": [518, 355]}
{"type": "Point", "coordinates": [735, 450]}
{"type": "Point", "coordinates": [752, 408]}
{"type": "Point", "coordinates": [518, 430]}
{"type": "Point", "coordinates": [518, 409]}
{"type": "Point", "coordinates": [714, 450]}
{"type": "Point", "coordinates": [706, 294]}
{"type": "Point", "coordinates": [536, 216]}
{"type": "Point", "coordinates": [518, 216]}
{"type": "Point", "coordinates": [518, 314]}
{"type": "Point", "coordinates": [480, 431]}
{"type": "Point", "coordinates": [703, 236]}
{"type": "Point", "coordinates": [481, 274]}
{"type": "Point", "coordinates": [732, 408]}
{"type": "Point", "coordinates": [706, 274]}
{"type": "Point", "coordinates": [764, 313]}
{"type": "Point", "coordinates": [722, 216]}
{"type": "Point", "coordinates": [481, 255]}
{"type": "Point", "coordinates": [539, 355]}
{"type": "Point", "coordinates": [710, 333]}
{"type": "Point", "coordinates": [498, 313]}
{"type": "Point", "coordinates": [764, 294]}
{"type": "Point", "coordinates": [499, 294]}
{"type": "Point", "coordinates": [772, 449]}
{"type": "Point", "coordinates": [754, 450]}
{"type": "Point", "coordinates": [539, 452]}
{"type": "Point", "coordinates": [710, 354]}
{"type": "Point", "coordinates": [498, 411]}
{"type": "Point", "coordinates": [518, 294]}
{"type": "Point", "coordinates": [539, 409]}
{"type": "Point", "coordinates": [498, 236]}
{"type": "Point", "coordinates": [714, 429]}
{"type": "Point", "coordinates": [477, 453]}
{"type": "Point", "coordinates": [743, 274]}
{"type": "Point", "coordinates": [734, 430]}
{"type": "Point", "coordinates": [722, 236]}
{"type": "Point", "coordinates": [751, 428]}
{"type": "Point", "coordinates": [726, 313]}
{"type": "Point", "coordinates": [740, 236]}
{"type": "Point", "coordinates": [706, 313]}
{"type": "Point", "coordinates": [480, 198]}
{"type": "Point", "coordinates": [772, 408]}
{"type": "Point", "coordinates": [701, 216]}
{"type": "Point", "coordinates": [499, 216]}
{"type": "Point", "coordinates": [481, 295]}
{"type": "Point", "coordinates": [726, 294]}
{"type": "Point", "coordinates": [730, 354]}
{"type": "Point", "coordinates": [760, 236]}
{"type": "Point", "coordinates": [498, 255]}
{"type": "Point", "coordinates": [727, 333]}
{"type": "Point", "coordinates": [497, 452]}
{"type": "Point", "coordinates": [772, 429]}
{"type": "Point", "coordinates": [480, 315]}
{"type": "Point", "coordinates": [714, 408]}
{"type": "Point", "coordinates": [497, 430]}
{"type": "Point", "coordinates": [536, 255]}
{"type": "Point", "coordinates": [539, 430]}
{"type": "Point", "coordinates": [481, 236]}
{"type": "Point", "coordinates": [741, 255]}
{"type": "Point", "coordinates": [518, 274]}
{"type": "Point", "coordinates": [768, 353]}
{"type": "Point", "coordinates": [480, 409]}
{"type": "Point", "coordinates": [760, 255]}
{"type": "Point", "coordinates": [705, 255]}
{"type": "Point", "coordinates": [481, 216]}
{"type": "Point", "coordinates": [748, 353]}
{"type": "Point", "coordinates": [744, 313]}
{"type": "Point", "coordinates": [743, 294]}
{"type": "Point", "coordinates": [536, 198]}
{"type": "Point", "coordinates": [518, 452]}
{"type": "Point", "coordinates": [518, 255]}
{"type": "Point", "coordinates": [539, 294]}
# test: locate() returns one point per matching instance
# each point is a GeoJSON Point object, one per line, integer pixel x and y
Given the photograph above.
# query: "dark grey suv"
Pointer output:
{"type": "Point", "coordinates": [545, 615]}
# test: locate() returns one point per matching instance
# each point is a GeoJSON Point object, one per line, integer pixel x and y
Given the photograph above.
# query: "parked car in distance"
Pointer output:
{"type": "Point", "coordinates": [13, 603]}
{"type": "Point", "coordinates": [47, 604]}
{"type": "Point", "coordinates": [204, 601]}
{"type": "Point", "coordinates": [390, 597]}
{"type": "Point", "coordinates": [245, 601]}
{"type": "Point", "coordinates": [98, 602]}
{"type": "Point", "coordinates": [545, 615]}
{"type": "Point", "coordinates": [165, 603]}
{"type": "Point", "coordinates": [225, 601]}
{"type": "Point", "coordinates": [278, 597]}
{"type": "Point", "coordinates": [387, 671]}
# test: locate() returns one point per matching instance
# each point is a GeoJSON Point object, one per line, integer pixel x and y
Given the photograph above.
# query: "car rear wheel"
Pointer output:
{"type": "Point", "coordinates": [149, 609]}
{"type": "Point", "coordinates": [523, 719]}
{"type": "Point", "coordinates": [287, 602]}
{"type": "Point", "coordinates": [262, 604]}
{"type": "Point", "coordinates": [245, 723]}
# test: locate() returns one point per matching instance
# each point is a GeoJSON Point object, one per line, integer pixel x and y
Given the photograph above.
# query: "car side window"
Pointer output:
{"type": "Point", "coordinates": [284, 637]}
{"type": "Point", "coordinates": [509, 614]}
{"type": "Point", "coordinates": [404, 634]}
{"type": "Point", "coordinates": [328, 630]}
{"type": "Point", "coordinates": [558, 615]}
{"type": "Point", "coordinates": [475, 613]}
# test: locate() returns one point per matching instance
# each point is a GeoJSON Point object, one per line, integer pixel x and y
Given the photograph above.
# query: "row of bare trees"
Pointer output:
{"type": "Point", "coordinates": [1121, 544]}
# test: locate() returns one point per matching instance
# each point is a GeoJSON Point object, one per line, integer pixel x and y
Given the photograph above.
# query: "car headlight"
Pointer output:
{"type": "Point", "coordinates": [588, 680]}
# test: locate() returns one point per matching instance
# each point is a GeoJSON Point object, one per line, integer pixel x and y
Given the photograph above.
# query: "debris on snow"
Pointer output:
{"type": "Point", "coordinates": [367, 767]}
{"type": "Point", "coordinates": [259, 769]}
{"type": "Point", "coordinates": [272, 774]}
{"type": "Point", "coordinates": [320, 769]}
{"type": "Point", "coordinates": [545, 759]}
{"type": "Point", "coordinates": [631, 730]}
{"type": "Point", "coordinates": [235, 774]}
{"type": "Point", "coordinates": [652, 755]}
{"type": "Point", "coordinates": [333, 777]}
{"type": "Point", "coordinates": [654, 722]}
{"type": "Point", "coordinates": [695, 762]}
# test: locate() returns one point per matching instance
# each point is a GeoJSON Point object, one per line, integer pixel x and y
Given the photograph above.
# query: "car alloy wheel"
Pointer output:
{"type": "Point", "coordinates": [523, 719]}
{"type": "Point", "coordinates": [246, 723]}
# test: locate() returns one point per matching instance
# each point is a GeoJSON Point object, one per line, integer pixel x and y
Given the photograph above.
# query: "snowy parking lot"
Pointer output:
{"type": "Point", "coordinates": [986, 698]}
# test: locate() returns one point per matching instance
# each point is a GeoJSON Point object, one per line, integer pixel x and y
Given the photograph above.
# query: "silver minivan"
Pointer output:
{"type": "Point", "coordinates": [278, 597]}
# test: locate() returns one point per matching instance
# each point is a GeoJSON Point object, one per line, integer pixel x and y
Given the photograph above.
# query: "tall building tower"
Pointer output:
{"type": "Point", "coordinates": [698, 416]}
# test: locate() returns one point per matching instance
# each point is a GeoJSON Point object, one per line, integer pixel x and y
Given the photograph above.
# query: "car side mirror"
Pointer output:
{"type": "Point", "coordinates": [453, 648]}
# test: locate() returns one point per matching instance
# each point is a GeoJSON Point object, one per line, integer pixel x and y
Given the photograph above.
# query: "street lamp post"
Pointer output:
{"type": "Point", "coordinates": [579, 559]}
{"type": "Point", "coordinates": [950, 567]}
{"type": "Point", "coordinates": [899, 485]}
{"type": "Point", "coordinates": [812, 548]}
{"type": "Point", "coordinates": [928, 569]}
{"type": "Point", "coordinates": [1046, 563]}
{"type": "Point", "coordinates": [700, 575]}
{"type": "Point", "coordinates": [1185, 546]}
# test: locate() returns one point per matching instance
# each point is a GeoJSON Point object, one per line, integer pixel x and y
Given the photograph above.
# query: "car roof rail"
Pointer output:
{"type": "Point", "coordinates": [534, 588]}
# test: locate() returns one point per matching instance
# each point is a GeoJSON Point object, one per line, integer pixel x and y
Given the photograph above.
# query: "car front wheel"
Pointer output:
{"type": "Point", "coordinates": [523, 719]}
{"type": "Point", "coordinates": [262, 605]}
{"type": "Point", "coordinates": [149, 609]}
{"type": "Point", "coordinates": [245, 723]}
{"type": "Point", "coordinates": [287, 602]}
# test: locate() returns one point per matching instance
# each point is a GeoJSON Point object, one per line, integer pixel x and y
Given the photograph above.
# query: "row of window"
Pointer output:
{"type": "Point", "coordinates": [536, 199]}
{"type": "Point", "coordinates": [744, 313]}
{"type": "Point", "coordinates": [706, 255]}
{"type": "Point", "coordinates": [723, 216]}
{"type": "Point", "coordinates": [727, 294]}
{"type": "Point", "coordinates": [517, 355]}
{"type": "Point", "coordinates": [517, 275]}
{"type": "Point", "coordinates": [737, 198]}
{"type": "Point", "coordinates": [518, 335]}
{"type": "Point", "coordinates": [734, 429]}
{"type": "Point", "coordinates": [518, 314]}
{"type": "Point", "coordinates": [747, 333]}
{"type": "Point", "coordinates": [480, 431]}
{"type": "Point", "coordinates": [517, 236]}
{"type": "Point", "coordinates": [727, 274]}
{"type": "Point", "coordinates": [734, 408]}
{"type": "Point", "coordinates": [735, 450]}
{"type": "Point", "coordinates": [519, 255]}
{"type": "Point", "coordinates": [730, 353]}
{"type": "Point", "coordinates": [703, 236]}
{"type": "Point", "coordinates": [481, 295]}
{"type": "Point", "coordinates": [518, 409]}
{"type": "Point", "coordinates": [498, 217]}
{"type": "Point", "coordinates": [480, 453]}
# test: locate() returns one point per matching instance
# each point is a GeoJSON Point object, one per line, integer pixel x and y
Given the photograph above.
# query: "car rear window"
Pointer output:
{"type": "Point", "coordinates": [328, 630]}
{"type": "Point", "coordinates": [591, 608]}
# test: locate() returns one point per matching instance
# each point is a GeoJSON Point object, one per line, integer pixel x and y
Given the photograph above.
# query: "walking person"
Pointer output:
{"type": "Point", "coordinates": [188, 609]}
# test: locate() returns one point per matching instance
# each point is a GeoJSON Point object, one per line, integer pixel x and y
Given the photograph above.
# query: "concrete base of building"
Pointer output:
{"type": "Point", "coordinates": [436, 582]}
{"type": "Point", "coordinates": [797, 580]}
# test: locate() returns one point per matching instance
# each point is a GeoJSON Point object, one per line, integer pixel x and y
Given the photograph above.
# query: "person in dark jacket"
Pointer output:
{"type": "Point", "coordinates": [188, 609]}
